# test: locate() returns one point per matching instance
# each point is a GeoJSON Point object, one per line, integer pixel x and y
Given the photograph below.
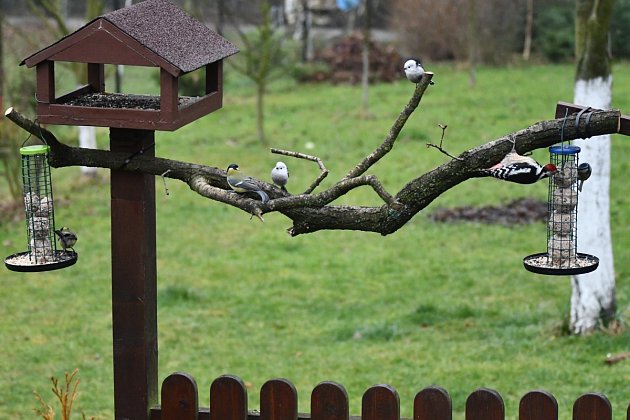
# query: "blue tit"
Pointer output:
{"type": "Point", "coordinates": [66, 238]}
{"type": "Point", "coordinates": [584, 171]}
{"type": "Point", "coordinates": [241, 183]}
{"type": "Point", "coordinates": [280, 175]}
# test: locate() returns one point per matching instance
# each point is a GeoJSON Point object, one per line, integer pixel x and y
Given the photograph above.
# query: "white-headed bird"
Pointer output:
{"type": "Point", "coordinates": [414, 70]}
{"type": "Point", "coordinates": [280, 175]}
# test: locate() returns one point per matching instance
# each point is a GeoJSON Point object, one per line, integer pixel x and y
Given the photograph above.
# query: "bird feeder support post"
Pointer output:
{"type": "Point", "coordinates": [96, 76]}
{"type": "Point", "coordinates": [134, 280]}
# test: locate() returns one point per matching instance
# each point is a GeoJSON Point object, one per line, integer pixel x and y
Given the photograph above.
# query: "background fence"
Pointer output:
{"type": "Point", "coordinates": [329, 401]}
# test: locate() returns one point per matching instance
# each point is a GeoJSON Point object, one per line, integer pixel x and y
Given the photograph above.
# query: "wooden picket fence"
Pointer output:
{"type": "Point", "coordinates": [329, 401]}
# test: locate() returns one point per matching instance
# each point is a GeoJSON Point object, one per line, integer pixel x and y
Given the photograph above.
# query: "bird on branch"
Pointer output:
{"type": "Point", "coordinates": [242, 183]}
{"type": "Point", "coordinates": [414, 70]}
{"type": "Point", "coordinates": [519, 169]}
{"type": "Point", "coordinates": [280, 175]}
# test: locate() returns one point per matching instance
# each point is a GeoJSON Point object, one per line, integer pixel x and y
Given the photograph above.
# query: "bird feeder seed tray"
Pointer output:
{"type": "Point", "coordinates": [562, 257]}
{"type": "Point", "coordinates": [42, 254]}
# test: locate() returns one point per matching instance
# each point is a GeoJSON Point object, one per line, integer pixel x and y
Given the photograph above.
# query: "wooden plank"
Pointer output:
{"type": "Point", "coordinates": [329, 401]}
{"type": "Point", "coordinates": [562, 107]}
{"type": "Point", "coordinates": [592, 406]}
{"type": "Point", "coordinates": [485, 404]}
{"type": "Point", "coordinates": [380, 402]}
{"type": "Point", "coordinates": [134, 280]}
{"type": "Point", "coordinates": [96, 76]}
{"type": "Point", "coordinates": [432, 403]}
{"type": "Point", "coordinates": [179, 397]}
{"type": "Point", "coordinates": [278, 400]}
{"type": "Point", "coordinates": [45, 82]}
{"type": "Point", "coordinates": [228, 399]}
{"type": "Point", "coordinates": [169, 96]}
{"type": "Point", "coordinates": [538, 405]}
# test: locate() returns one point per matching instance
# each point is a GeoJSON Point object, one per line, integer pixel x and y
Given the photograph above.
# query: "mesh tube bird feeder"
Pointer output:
{"type": "Point", "coordinates": [562, 257]}
{"type": "Point", "coordinates": [42, 254]}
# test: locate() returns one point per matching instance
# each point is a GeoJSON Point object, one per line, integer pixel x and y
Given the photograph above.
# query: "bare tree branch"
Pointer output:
{"type": "Point", "coordinates": [389, 141]}
{"type": "Point", "coordinates": [313, 212]}
{"type": "Point", "coordinates": [439, 146]}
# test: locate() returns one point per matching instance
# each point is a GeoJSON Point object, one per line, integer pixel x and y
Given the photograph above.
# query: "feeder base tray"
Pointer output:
{"type": "Point", "coordinates": [541, 264]}
{"type": "Point", "coordinates": [21, 262]}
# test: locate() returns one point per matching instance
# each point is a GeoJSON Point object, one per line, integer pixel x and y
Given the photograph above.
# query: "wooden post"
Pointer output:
{"type": "Point", "coordinates": [134, 278]}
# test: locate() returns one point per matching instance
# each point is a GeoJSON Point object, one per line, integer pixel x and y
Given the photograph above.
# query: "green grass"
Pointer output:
{"type": "Point", "coordinates": [449, 305]}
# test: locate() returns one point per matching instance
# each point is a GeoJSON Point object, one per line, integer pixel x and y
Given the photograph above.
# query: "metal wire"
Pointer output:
{"type": "Point", "coordinates": [562, 204]}
{"type": "Point", "coordinates": [39, 208]}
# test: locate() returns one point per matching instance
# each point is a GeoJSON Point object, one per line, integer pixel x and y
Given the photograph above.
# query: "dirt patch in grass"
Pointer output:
{"type": "Point", "coordinates": [520, 211]}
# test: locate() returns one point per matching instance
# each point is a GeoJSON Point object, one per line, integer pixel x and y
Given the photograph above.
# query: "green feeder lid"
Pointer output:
{"type": "Point", "coordinates": [35, 150]}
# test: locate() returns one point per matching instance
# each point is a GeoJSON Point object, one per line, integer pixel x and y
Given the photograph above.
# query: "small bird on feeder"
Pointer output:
{"type": "Point", "coordinates": [241, 183]}
{"type": "Point", "coordinates": [584, 171]}
{"type": "Point", "coordinates": [280, 175]}
{"type": "Point", "coordinates": [66, 238]}
{"type": "Point", "coordinates": [519, 169]}
{"type": "Point", "coordinates": [414, 70]}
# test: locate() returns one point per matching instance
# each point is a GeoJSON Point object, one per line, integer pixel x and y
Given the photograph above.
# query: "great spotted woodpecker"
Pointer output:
{"type": "Point", "coordinates": [519, 169]}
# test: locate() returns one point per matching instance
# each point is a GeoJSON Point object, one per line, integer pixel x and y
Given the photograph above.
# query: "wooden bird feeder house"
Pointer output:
{"type": "Point", "coordinates": [153, 33]}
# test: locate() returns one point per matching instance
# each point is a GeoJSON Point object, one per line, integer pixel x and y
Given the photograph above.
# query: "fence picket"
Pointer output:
{"type": "Point", "coordinates": [228, 399]}
{"type": "Point", "coordinates": [538, 405]}
{"type": "Point", "coordinates": [278, 400]}
{"type": "Point", "coordinates": [179, 397]}
{"type": "Point", "coordinates": [432, 403]}
{"type": "Point", "coordinates": [380, 402]}
{"type": "Point", "coordinates": [329, 401]}
{"type": "Point", "coordinates": [592, 406]}
{"type": "Point", "coordinates": [485, 404]}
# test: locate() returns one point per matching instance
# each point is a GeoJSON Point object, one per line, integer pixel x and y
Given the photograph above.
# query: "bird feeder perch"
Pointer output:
{"type": "Point", "coordinates": [42, 254]}
{"type": "Point", "coordinates": [562, 257]}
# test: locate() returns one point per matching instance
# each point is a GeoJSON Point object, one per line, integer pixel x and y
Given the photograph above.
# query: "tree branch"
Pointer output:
{"type": "Point", "coordinates": [313, 212]}
{"type": "Point", "coordinates": [389, 141]}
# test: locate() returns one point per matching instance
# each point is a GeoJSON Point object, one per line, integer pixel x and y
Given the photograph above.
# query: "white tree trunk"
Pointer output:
{"type": "Point", "coordinates": [87, 139]}
{"type": "Point", "coordinates": [593, 295]}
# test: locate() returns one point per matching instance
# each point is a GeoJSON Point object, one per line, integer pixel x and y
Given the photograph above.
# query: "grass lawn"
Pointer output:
{"type": "Point", "coordinates": [432, 304]}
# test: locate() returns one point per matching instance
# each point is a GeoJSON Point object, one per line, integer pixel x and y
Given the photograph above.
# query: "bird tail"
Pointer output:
{"type": "Point", "coordinates": [263, 196]}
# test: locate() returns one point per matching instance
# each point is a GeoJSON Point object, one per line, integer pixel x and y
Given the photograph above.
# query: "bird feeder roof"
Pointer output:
{"type": "Point", "coordinates": [153, 33]}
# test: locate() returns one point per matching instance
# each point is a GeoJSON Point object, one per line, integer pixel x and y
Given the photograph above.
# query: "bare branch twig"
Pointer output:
{"type": "Point", "coordinates": [394, 131]}
{"type": "Point", "coordinates": [323, 171]}
{"type": "Point", "coordinates": [443, 127]}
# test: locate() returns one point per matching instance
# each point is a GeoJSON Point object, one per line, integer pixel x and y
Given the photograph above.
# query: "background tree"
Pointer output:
{"type": "Point", "coordinates": [365, 55]}
{"type": "Point", "coordinates": [593, 296]}
{"type": "Point", "coordinates": [529, 28]}
{"type": "Point", "coordinates": [262, 59]}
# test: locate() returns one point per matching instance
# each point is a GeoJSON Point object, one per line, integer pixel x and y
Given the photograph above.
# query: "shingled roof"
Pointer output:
{"type": "Point", "coordinates": [157, 25]}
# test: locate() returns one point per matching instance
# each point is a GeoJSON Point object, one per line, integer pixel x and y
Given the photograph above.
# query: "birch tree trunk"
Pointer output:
{"type": "Point", "coordinates": [529, 26]}
{"type": "Point", "coordinates": [87, 139]}
{"type": "Point", "coordinates": [593, 294]}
